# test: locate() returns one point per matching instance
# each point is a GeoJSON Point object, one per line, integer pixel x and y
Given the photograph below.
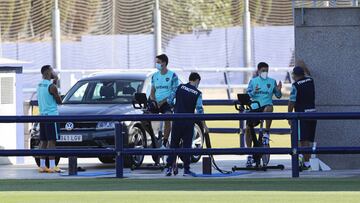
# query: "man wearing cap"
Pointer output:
{"type": "Point", "coordinates": [261, 89]}
{"type": "Point", "coordinates": [302, 99]}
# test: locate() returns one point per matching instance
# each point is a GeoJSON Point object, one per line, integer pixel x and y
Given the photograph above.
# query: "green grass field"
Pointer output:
{"type": "Point", "coordinates": [181, 190]}
{"type": "Point", "coordinates": [232, 140]}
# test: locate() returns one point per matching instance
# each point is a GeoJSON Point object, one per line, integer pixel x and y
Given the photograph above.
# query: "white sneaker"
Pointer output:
{"type": "Point", "coordinates": [265, 139]}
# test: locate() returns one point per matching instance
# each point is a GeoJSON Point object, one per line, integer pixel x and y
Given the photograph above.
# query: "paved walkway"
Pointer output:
{"type": "Point", "coordinates": [95, 169]}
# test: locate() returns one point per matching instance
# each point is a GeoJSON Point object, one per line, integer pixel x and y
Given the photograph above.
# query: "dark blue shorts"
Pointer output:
{"type": "Point", "coordinates": [49, 131]}
{"type": "Point", "coordinates": [307, 130]}
{"type": "Point", "coordinates": [253, 123]}
{"type": "Point", "coordinates": [165, 108]}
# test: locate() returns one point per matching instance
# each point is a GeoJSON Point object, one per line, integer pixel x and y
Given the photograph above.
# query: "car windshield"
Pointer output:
{"type": "Point", "coordinates": [103, 91]}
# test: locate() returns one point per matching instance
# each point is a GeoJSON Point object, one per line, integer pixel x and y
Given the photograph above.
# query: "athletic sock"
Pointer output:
{"type": "Point", "coordinates": [42, 163]}
{"type": "Point", "coordinates": [52, 163]}
{"type": "Point", "coordinates": [307, 164]}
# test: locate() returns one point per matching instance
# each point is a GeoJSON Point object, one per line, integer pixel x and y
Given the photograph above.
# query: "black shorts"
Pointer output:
{"type": "Point", "coordinates": [307, 130]}
{"type": "Point", "coordinates": [165, 109]}
{"type": "Point", "coordinates": [49, 131]}
{"type": "Point", "coordinates": [252, 122]}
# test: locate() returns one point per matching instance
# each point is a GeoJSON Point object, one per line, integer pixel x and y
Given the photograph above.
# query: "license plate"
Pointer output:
{"type": "Point", "coordinates": [70, 138]}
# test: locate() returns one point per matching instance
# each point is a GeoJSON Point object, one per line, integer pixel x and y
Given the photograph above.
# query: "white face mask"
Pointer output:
{"type": "Point", "coordinates": [264, 75]}
{"type": "Point", "coordinates": [158, 66]}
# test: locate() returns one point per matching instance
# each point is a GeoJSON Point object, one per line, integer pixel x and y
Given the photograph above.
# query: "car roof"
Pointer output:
{"type": "Point", "coordinates": [117, 76]}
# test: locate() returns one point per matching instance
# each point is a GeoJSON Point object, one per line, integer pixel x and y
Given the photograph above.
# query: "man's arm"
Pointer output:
{"type": "Point", "coordinates": [174, 86]}
{"type": "Point", "coordinates": [292, 100]}
{"type": "Point", "coordinates": [277, 90]}
{"type": "Point", "coordinates": [54, 92]}
{"type": "Point", "coordinates": [250, 90]}
{"type": "Point", "coordinates": [152, 92]}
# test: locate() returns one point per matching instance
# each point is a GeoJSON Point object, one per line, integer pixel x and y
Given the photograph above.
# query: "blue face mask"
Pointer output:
{"type": "Point", "coordinates": [158, 66]}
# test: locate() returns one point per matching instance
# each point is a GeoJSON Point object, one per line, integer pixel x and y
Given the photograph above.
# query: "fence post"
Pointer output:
{"type": "Point", "coordinates": [119, 146]}
{"type": "Point", "coordinates": [242, 134]}
{"type": "Point", "coordinates": [294, 147]}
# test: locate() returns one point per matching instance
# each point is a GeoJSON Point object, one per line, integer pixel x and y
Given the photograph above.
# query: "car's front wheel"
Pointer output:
{"type": "Point", "coordinates": [198, 142]}
{"type": "Point", "coordinates": [107, 159]}
{"type": "Point", "coordinates": [137, 140]}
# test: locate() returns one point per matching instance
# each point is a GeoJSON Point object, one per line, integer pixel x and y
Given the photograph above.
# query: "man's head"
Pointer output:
{"type": "Point", "coordinates": [298, 73]}
{"type": "Point", "coordinates": [263, 70]}
{"type": "Point", "coordinates": [47, 72]}
{"type": "Point", "coordinates": [194, 79]}
{"type": "Point", "coordinates": [161, 62]}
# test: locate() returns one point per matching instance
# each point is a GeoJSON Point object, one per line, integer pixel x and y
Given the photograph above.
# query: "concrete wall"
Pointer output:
{"type": "Point", "coordinates": [328, 40]}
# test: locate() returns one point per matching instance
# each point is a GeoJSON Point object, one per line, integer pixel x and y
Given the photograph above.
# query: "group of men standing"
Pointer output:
{"type": "Point", "coordinates": [172, 97]}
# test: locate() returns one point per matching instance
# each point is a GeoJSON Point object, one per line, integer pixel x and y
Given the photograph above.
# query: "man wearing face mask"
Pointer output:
{"type": "Point", "coordinates": [48, 98]}
{"type": "Point", "coordinates": [188, 99]}
{"type": "Point", "coordinates": [163, 87]}
{"type": "Point", "coordinates": [302, 99]}
{"type": "Point", "coordinates": [261, 89]}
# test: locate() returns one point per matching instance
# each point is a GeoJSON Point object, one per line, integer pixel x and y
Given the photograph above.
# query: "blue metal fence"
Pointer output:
{"type": "Point", "coordinates": [119, 151]}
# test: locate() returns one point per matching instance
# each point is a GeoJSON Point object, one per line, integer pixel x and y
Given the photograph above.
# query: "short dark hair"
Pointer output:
{"type": "Point", "coordinates": [163, 58]}
{"type": "Point", "coordinates": [45, 68]}
{"type": "Point", "coordinates": [194, 76]}
{"type": "Point", "coordinates": [262, 65]}
{"type": "Point", "coordinates": [298, 71]}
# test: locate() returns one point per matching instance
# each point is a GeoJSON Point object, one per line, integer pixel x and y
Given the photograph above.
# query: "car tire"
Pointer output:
{"type": "Point", "coordinates": [137, 140]}
{"type": "Point", "coordinates": [57, 160]}
{"type": "Point", "coordinates": [107, 159]}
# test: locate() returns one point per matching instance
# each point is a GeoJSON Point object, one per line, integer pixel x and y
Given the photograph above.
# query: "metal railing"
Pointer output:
{"type": "Point", "coordinates": [119, 151]}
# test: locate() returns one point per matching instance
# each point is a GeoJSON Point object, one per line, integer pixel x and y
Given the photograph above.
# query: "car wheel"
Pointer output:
{"type": "Point", "coordinates": [197, 143]}
{"type": "Point", "coordinates": [107, 159]}
{"type": "Point", "coordinates": [137, 140]}
{"type": "Point", "coordinates": [57, 160]}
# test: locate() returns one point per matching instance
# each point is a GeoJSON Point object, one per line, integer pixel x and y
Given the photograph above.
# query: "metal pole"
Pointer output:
{"type": "Point", "coordinates": [247, 39]}
{"type": "Point", "coordinates": [1, 53]}
{"type": "Point", "coordinates": [119, 146]}
{"type": "Point", "coordinates": [242, 133]}
{"type": "Point", "coordinates": [157, 28]}
{"type": "Point", "coordinates": [56, 36]}
{"type": "Point", "coordinates": [227, 64]}
{"type": "Point", "coordinates": [113, 31]}
{"type": "Point", "coordinates": [355, 3]}
{"type": "Point", "coordinates": [294, 147]}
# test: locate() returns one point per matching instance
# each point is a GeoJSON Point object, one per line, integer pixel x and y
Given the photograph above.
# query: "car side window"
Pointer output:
{"type": "Point", "coordinates": [96, 94]}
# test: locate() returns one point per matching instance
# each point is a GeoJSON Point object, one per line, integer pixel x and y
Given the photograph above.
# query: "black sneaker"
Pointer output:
{"type": "Point", "coordinates": [189, 173]}
{"type": "Point", "coordinates": [168, 171]}
{"type": "Point", "coordinates": [249, 162]}
{"type": "Point", "coordinates": [305, 168]}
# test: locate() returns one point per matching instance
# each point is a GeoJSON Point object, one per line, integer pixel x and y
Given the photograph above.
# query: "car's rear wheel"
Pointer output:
{"type": "Point", "coordinates": [197, 143]}
{"type": "Point", "coordinates": [57, 160]}
{"type": "Point", "coordinates": [137, 140]}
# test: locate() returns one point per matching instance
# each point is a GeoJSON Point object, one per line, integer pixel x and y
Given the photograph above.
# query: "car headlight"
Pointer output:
{"type": "Point", "coordinates": [105, 125]}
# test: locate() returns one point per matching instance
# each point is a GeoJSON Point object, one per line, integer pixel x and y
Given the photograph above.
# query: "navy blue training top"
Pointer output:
{"type": "Point", "coordinates": [188, 98]}
{"type": "Point", "coordinates": [303, 95]}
